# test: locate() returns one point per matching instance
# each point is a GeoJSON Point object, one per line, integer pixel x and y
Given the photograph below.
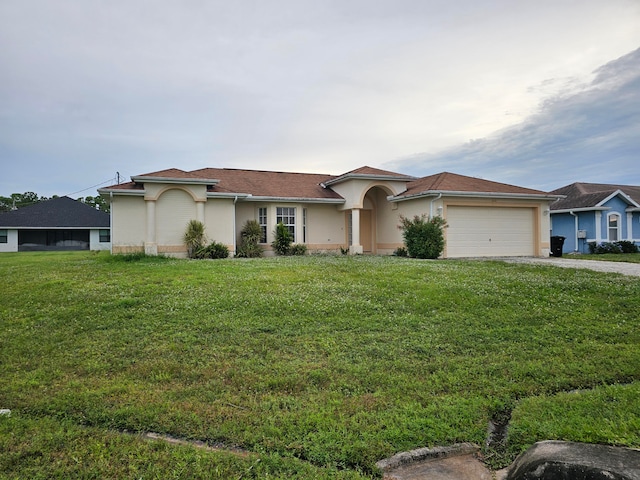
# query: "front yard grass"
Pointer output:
{"type": "Point", "coordinates": [608, 257]}
{"type": "Point", "coordinates": [316, 367]}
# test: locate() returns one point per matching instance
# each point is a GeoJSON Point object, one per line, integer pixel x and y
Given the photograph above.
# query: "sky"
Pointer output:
{"type": "Point", "coordinates": [537, 94]}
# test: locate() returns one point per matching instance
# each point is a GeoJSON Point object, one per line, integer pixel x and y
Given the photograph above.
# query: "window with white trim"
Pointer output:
{"type": "Point", "coordinates": [613, 219]}
{"type": "Point", "coordinates": [287, 216]}
{"type": "Point", "coordinates": [105, 236]}
{"type": "Point", "coordinates": [262, 221]}
{"type": "Point", "coordinates": [304, 225]}
{"type": "Point", "coordinates": [4, 236]}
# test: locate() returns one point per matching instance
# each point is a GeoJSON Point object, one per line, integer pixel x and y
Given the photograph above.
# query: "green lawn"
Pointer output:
{"type": "Point", "coordinates": [316, 367]}
{"type": "Point", "coordinates": [609, 257]}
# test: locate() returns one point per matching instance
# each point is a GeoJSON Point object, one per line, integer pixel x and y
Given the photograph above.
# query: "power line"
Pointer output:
{"type": "Point", "coordinates": [111, 180]}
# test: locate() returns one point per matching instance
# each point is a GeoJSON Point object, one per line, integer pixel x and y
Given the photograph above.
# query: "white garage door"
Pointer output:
{"type": "Point", "coordinates": [490, 232]}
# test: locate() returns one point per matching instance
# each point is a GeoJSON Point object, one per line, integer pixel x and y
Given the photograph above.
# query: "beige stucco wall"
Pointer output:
{"type": "Point", "coordinates": [173, 207]}
{"type": "Point", "coordinates": [128, 223]}
{"type": "Point", "coordinates": [219, 218]}
{"type": "Point", "coordinates": [424, 206]}
{"type": "Point", "coordinates": [325, 223]}
{"type": "Point", "coordinates": [354, 190]}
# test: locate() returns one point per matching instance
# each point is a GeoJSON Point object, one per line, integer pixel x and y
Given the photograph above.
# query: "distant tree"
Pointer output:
{"type": "Point", "coordinates": [97, 202]}
{"type": "Point", "coordinates": [19, 200]}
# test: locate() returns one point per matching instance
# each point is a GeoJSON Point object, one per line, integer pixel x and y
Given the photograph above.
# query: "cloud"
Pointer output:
{"type": "Point", "coordinates": [588, 132]}
{"type": "Point", "coordinates": [88, 88]}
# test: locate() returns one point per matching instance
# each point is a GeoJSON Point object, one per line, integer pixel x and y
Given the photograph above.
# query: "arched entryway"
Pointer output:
{"type": "Point", "coordinates": [373, 203]}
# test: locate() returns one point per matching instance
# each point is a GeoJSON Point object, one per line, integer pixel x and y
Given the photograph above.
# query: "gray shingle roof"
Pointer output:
{"type": "Point", "coordinates": [587, 195]}
{"type": "Point", "coordinates": [62, 212]}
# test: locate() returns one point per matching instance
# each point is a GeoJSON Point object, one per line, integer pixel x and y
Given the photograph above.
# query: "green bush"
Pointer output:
{"type": "Point", "coordinates": [282, 242]}
{"type": "Point", "coordinates": [401, 252]}
{"type": "Point", "coordinates": [250, 237]}
{"type": "Point", "coordinates": [298, 249]}
{"type": "Point", "coordinates": [623, 246]}
{"type": "Point", "coordinates": [424, 237]}
{"type": "Point", "coordinates": [214, 250]}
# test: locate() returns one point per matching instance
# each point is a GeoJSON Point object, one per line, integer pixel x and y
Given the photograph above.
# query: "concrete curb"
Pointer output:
{"type": "Point", "coordinates": [426, 454]}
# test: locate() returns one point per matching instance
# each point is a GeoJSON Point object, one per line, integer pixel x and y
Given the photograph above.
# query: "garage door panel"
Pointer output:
{"type": "Point", "coordinates": [489, 231]}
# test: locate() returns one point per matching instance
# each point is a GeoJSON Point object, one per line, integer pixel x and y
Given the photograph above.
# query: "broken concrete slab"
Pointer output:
{"type": "Point", "coordinates": [555, 460]}
{"type": "Point", "coordinates": [457, 462]}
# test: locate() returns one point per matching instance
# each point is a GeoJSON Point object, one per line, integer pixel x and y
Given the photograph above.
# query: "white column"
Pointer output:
{"type": "Point", "coordinates": [630, 226]}
{"type": "Point", "coordinates": [150, 245]}
{"type": "Point", "coordinates": [355, 247]}
{"type": "Point", "coordinates": [598, 226]}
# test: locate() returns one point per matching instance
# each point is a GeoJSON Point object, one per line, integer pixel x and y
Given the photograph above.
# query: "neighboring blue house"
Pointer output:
{"type": "Point", "coordinates": [595, 212]}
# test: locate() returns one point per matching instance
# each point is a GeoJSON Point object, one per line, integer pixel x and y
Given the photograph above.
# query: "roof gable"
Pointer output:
{"type": "Point", "coordinates": [594, 195]}
{"type": "Point", "coordinates": [61, 212]}
{"type": "Point", "coordinates": [447, 182]}
{"type": "Point", "coordinates": [368, 173]}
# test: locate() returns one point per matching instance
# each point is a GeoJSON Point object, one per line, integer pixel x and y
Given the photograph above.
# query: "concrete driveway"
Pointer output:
{"type": "Point", "coordinates": [631, 269]}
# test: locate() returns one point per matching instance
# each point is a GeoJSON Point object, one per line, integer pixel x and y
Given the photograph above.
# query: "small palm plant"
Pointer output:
{"type": "Point", "coordinates": [282, 241]}
{"type": "Point", "coordinates": [194, 237]}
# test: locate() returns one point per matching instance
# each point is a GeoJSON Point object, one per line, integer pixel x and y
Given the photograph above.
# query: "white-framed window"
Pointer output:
{"type": "Point", "coordinates": [287, 216]}
{"type": "Point", "coordinates": [613, 222]}
{"type": "Point", "coordinates": [304, 225]}
{"type": "Point", "coordinates": [4, 236]}
{"type": "Point", "coordinates": [262, 221]}
{"type": "Point", "coordinates": [105, 236]}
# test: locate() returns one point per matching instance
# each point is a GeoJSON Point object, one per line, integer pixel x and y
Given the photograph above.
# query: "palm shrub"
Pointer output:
{"type": "Point", "coordinates": [250, 236]}
{"type": "Point", "coordinates": [423, 236]}
{"type": "Point", "coordinates": [194, 237]}
{"type": "Point", "coordinates": [282, 241]}
{"type": "Point", "coordinates": [213, 250]}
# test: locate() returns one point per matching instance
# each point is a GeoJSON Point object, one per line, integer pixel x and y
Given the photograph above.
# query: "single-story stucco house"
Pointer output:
{"type": "Point", "coordinates": [359, 210]}
{"type": "Point", "coordinates": [57, 224]}
{"type": "Point", "coordinates": [595, 212]}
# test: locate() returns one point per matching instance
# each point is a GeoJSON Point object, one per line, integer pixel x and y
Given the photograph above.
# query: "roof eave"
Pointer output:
{"type": "Point", "coordinates": [121, 191]}
{"type": "Point", "coordinates": [174, 180]}
{"type": "Point", "coordinates": [260, 198]}
{"type": "Point", "coordinates": [228, 195]}
{"type": "Point", "coordinates": [580, 209]}
{"type": "Point", "coordinates": [364, 176]}
{"type": "Point", "coordinates": [452, 193]}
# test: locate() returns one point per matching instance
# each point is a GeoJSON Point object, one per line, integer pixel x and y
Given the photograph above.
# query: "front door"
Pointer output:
{"type": "Point", "coordinates": [365, 230]}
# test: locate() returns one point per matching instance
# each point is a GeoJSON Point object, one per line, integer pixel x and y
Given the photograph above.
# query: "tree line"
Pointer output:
{"type": "Point", "coordinates": [19, 200]}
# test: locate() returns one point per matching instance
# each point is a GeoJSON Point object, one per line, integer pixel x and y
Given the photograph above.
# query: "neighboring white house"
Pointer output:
{"type": "Point", "coordinates": [359, 210]}
{"type": "Point", "coordinates": [57, 224]}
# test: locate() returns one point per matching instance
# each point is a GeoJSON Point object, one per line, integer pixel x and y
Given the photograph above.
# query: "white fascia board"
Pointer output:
{"type": "Point", "coordinates": [364, 176]}
{"type": "Point", "coordinates": [118, 191]}
{"type": "Point", "coordinates": [182, 181]}
{"type": "Point", "coordinates": [254, 198]}
{"type": "Point", "coordinates": [228, 195]}
{"type": "Point", "coordinates": [450, 193]}
{"type": "Point", "coordinates": [582, 209]}
{"type": "Point", "coordinates": [627, 198]}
